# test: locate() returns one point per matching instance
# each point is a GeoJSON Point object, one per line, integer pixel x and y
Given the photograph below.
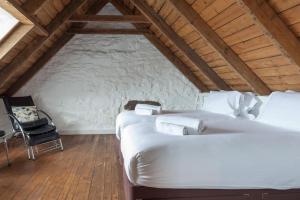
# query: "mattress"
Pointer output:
{"type": "Point", "coordinates": [230, 154]}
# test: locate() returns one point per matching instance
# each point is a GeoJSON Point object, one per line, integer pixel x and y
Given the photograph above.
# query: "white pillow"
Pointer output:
{"type": "Point", "coordinates": [223, 102]}
{"type": "Point", "coordinates": [25, 113]}
{"type": "Point", "coordinates": [249, 105]}
{"type": "Point", "coordinates": [282, 110]}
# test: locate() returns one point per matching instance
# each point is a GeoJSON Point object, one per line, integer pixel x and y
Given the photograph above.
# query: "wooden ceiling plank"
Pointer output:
{"type": "Point", "coordinates": [181, 66]}
{"type": "Point", "coordinates": [95, 8]}
{"type": "Point", "coordinates": [130, 31]}
{"type": "Point", "coordinates": [8, 71]}
{"type": "Point", "coordinates": [40, 29]}
{"type": "Point", "coordinates": [180, 43]}
{"type": "Point", "coordinates": [272, 25]}
{"type": "Point", "coordinates": [109, 18]}
{"type": "Point", "coordinates": [221, 47]}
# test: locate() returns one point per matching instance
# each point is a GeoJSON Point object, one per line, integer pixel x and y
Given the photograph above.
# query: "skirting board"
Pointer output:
{"type": "Point", "coordinates": [86, 132]}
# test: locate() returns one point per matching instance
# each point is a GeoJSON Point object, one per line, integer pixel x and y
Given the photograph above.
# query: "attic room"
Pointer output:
{"type": "Point", "coordinates": [150, 99]}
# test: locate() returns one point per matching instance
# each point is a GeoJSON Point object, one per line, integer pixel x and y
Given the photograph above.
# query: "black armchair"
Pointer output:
{"type": "Point", "coordinates": [39, 131]}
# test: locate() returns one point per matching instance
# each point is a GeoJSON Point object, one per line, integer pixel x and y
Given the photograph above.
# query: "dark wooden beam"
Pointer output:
{"type": "Point", "coordinates": [40, 29]}
{"type": "Point", "coordinates": [107, 31]}
{"type": "Point", "coordinates": [8, 71]}
{"type": "Point", "coordinates": [266, 17]}
{"type": "Point", "coordinates": [237, 64]}
{"type": "Point", "coordinates": [33, 6]}
{"type": "Point", "coordinates": [156, 20]}
{"type": "Point", "coordinates": [95, 8]}
{"type": "Point", "coordinates": [185, 70]}
{"type": "Point", "coordinates": [109, 18]}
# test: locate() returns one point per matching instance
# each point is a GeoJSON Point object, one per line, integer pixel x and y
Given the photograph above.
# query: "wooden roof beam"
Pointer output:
{"type": "Point", "coordinates": [40, 29]}
{"type": "Point", "coordinates": [156, 20]}
{"type": "Point", "coordinates": [185, 70]}
{"type": "Point", "coordinates": [237, 64]}
{"type": "Point", "coordinates": [109, 18]}
{"type": "Point", "coordinates": [130, 31]}
{"type": "Point", "coordinates": [9, 70]}
{"type": "Point", "coordinates": [272, 25]}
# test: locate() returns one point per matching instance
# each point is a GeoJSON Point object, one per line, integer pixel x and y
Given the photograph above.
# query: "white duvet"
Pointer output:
{"type": "Point", "coordinates": [231, 154]}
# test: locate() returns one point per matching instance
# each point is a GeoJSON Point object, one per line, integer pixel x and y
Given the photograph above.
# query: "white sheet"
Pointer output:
{"type": "Point", "coordinates": [232, 154]}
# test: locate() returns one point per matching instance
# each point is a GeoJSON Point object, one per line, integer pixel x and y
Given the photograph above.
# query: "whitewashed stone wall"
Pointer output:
{"type": "Point", "coordinates": [87, 83]}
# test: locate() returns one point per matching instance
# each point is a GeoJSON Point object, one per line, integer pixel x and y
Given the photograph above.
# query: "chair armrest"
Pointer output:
{"type": "Point", "coordinates": [17, 122]}
{"type": "Point", "coordinates": [47, 115]}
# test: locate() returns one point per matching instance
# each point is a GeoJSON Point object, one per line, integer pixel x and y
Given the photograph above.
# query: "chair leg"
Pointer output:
{"type": "Point", "coordinates": [32, 153]}
{"type": "Point", "coordinates": [28, 153]}
{"type": "Point", "coordinates": [6, 152]}
{"type": "Point", "coordinates": [61, 145]}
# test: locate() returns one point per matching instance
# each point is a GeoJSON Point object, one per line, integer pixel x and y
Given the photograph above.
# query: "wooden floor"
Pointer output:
{"type": "Point", "coordinates": [86, 169]}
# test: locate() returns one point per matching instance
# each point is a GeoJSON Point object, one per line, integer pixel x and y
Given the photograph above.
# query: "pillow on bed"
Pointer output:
{"type": "Point", "coordinates": [223, 102]}
{"type": "Point", "coordinates": [250, 104]}
{"type": "Point", "coordinates": [282, 110]}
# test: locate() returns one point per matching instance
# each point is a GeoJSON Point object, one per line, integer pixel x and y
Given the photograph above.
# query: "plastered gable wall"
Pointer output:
{"type": "Point", "coordinates": [88, 82]}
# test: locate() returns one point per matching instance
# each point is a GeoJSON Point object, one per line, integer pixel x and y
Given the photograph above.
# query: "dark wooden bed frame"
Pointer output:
{"type": "Point", "coordinates": [133, 192]}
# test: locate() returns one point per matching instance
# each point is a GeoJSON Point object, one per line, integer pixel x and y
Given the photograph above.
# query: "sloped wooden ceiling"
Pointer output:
{"type": "Point", "coordinates": [246, 45]}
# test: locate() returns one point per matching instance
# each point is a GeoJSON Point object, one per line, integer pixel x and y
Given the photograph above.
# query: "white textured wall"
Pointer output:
{"type": "Point", "coordinates": [87, 83]}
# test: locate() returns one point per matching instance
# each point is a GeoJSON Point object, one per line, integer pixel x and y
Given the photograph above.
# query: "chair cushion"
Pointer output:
{"type": "Point", "coordinates": [27, 126]}
{"type": "Point", "coordinates": [25, 113]}
{"type": "Point", "coordinates": [42, 130]}
{"type": "Point", "coordinates": [43, 138]}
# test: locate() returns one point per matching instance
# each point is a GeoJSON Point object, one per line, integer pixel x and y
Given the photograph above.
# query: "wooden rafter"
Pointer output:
{"type": "Point", "coordinates": [266, 17]}
{"type": "Point", "coordinates": [109, 18]}
{"type": "Point", "coordinates": [164, 50]}
{"type": "Point", "coordinates": [34, 46]}
{"type": "Point", "coordinates": [237, 64]}
{"type": "Point", "coordinates": [95, 8]}
{"type": "Point", "coordinates": [156, 20]}
{"type": "Point", "coordinates": [31, 18]}
{"type": "Point", "coordinates": [130, 31]}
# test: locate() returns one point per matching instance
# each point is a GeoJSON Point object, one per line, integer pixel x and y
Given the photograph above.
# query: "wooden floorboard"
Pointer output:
{"type": "Point", "coordinates": [87, 169]}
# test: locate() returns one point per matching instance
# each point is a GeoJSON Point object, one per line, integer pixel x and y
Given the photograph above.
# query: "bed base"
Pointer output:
{"type": "Point", "coordinates": [133, 192]}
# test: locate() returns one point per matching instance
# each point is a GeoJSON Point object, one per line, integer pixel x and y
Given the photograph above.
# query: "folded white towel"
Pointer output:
{"type": "Point", "coordinates": [171, 129]}
{"type": "Point", "coordinates": [189, 123]}
{"type": "Point", "coordinates": [156, 109]}
{"type": "Point", "coordinates": [141, 111]}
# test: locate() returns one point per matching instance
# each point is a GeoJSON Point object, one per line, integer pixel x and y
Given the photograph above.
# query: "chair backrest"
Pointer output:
{"type": "Point", "coordinates": [10, 102]}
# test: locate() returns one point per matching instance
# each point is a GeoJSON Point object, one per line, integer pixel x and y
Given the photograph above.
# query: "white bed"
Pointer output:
{"type": "Point", "coordinates": [231, 154]}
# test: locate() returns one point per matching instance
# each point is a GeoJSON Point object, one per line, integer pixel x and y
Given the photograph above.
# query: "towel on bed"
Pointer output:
{"type": "Point", "coordinates": [155, 109]}
{"type": "Point", "coordinates": [189, 126]}
{"type": "Point", "coordinates": [142, 111]}
{"type": "Point", "coordinates": [171, 129]}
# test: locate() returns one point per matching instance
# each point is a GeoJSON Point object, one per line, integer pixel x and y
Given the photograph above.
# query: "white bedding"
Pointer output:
{"type": "Point", "coordinates": [231, 154]}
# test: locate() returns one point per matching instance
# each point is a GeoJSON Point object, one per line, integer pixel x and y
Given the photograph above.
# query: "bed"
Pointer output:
{"type": "Point", "coordinates": [150, 152]}
{"type": "Point", "coordinates": [162, 166]}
